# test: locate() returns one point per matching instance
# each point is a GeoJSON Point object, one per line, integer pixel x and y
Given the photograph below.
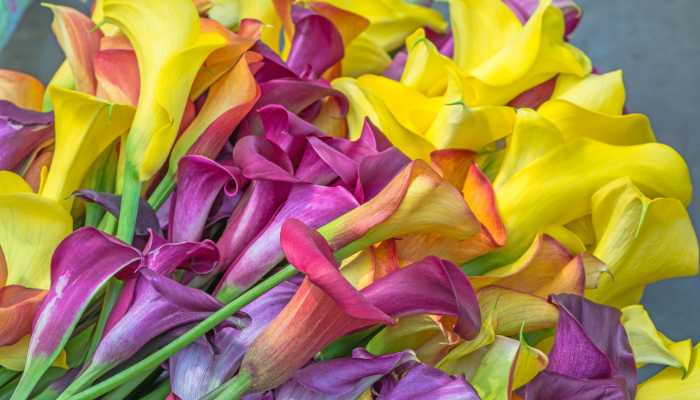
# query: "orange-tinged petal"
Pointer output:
{"type": "Point", "coordinates": [349, 24]}
{"type": "Point", "coordinates": [80, 41]}
{"type": "Point", "coordinates": [21, 89]}
{"type": "Point", "coordinates": [18, 305]}
{"type": "Point", "coordinates": [481, 199]}
{"type": "Point", "coordinates": [453, 164]}
{"type": "Point", "coordinates": [117, 74]}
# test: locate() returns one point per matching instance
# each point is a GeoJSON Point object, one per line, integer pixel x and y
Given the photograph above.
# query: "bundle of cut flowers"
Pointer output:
{"type": "Point", "coordinates": [334, 199]}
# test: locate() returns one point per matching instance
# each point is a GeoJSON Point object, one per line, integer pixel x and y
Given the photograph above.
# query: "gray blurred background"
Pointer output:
{"type": "Point", "coordinates": [656, 43]}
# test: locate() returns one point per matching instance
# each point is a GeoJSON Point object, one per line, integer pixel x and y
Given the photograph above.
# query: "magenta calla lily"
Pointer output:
{"type": "Point", "coordinates": [21, 133]}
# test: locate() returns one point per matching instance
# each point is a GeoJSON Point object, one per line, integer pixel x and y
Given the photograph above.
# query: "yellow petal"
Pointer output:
{"type": "Point", "coordinates": [13, 183]}
{"type": "Point", "coordinates": [604, 93]}
{"type": "Point", "coordinates": [13, 357]}
{"type": "Point", "coordinates": [85, 126]}
{"type": "Point", "coordinates": [230, 13]}
{"type": "Point", "coordinates": [410, 108]}
{"type": "Point", "coordinates": [30, 229]}
{"type": "Point", "coordinates": [528, 364]}
{"type": "Point", "coordinates": [492, 378]}
{"type": "Point", "coordinates": [672, 383]}
{"type": "Point", "coordinates": [426, 67]}
{"type": "Point", "coordinates": [557, 188]}
{"type": "Point", "coordinates": [533, 137]}
{"type": "Point", "coordinates": [457, 125]}
{"type": "Point", "coordinates": [21, 89]}
{"type": "Point", "coordinates": [362, 56]}
{"type": "Point", "coordinates": [503, 58]}
{"type": "Point", "coordinates": [170, 50]}
{"type": "Point", "coordinates": [364, 104]}
{"type": "Point", "coordinates": [641, 240]}
{"type": "Point", "coordinates": [649, 345]}
{"type": "Point", "coordinates": [574, 121]}
{"type": "Point", "coordinates": [419, 333]}
{"type": "Point", "coordinates": [392, 20]}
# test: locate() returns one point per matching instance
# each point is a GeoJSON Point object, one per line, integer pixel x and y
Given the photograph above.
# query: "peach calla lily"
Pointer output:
{"type": "Point", "coordinates": [21, 89]}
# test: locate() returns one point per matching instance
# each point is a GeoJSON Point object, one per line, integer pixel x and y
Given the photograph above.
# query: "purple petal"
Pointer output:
{"type": "Point", "coordinates": [145, 221]}
{"type": "Point", "coordinates": [207, 363]}
{"type": "Point", "coordinates": [296, 95]}
{"type": "Point", "coordinates": [21, 132]}
{"type": "Point", "coordinates": [423, 382]}
{"type": "Point", "coordinates": [197, 257]}
{"type": "Point", "coordinates": [160, 304]}
{"type": "Point", "coordinates": [199, 182]}
{"type": "Point", "coordinates": [430, 286]}
{"type": "Point", "coordinates": [81, 265]}
{"type": "Point", "coordinates": [312, 204]}
{"type": "Point", "coordinates": [273, 67]}
{"type": "Point", "coordinates": [313, 32]}
{"type": "Point", "coordinates": [260, 158]}
{"type": "Point", "coordinates": [287, 130]}
{"type": "Point", "coordinates": [591, 355]}
{"type": "Point", "coordinates": [341, 379]}
{"type": "Point", "coordinates": [255, 209]}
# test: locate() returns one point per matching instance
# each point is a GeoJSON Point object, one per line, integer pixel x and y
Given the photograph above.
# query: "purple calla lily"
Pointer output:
{"type": "Point", "coordinates": [21, 132]}
{"type": "Point", "coordinates": [591, 358]}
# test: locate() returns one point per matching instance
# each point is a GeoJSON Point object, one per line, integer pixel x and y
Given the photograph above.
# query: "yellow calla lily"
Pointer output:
{"type": "Point", "coordinates": [672, 383]}
{"type": "Point", "coordinates": [85, 126]}
{"type": "Point", "coordinates": [457, 359]}
{"type": "Point", "coordinates": [423, 334]}
{"type": "Point", "coordinates": [363, 56]}
{"type": "Point", "coordinates": [364, 104]}
{"type": "Point", "coordinates": [592, 107]}
{"type": "Point", "coordinates": [567, 177]}
{"type": "Point", "coordinates": [502, 58]}
{"type": "Point", "coordinates": [651, 346]}
{"type": "Point", "coordinates": [31, 227]}
{"type": "Point", "coordinates": [642, 240]}
{"type": "Point", "coordinates": [426, 67]}
{"type": "Point", "coordinates": [231, 12]}
{"type": "Point", "coordinates": [170, 50]}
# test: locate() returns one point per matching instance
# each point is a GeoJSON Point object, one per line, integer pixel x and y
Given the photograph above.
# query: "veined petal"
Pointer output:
{"type": "Point", "coordinates": [626, 222]}
{"type": "Point", "coordinates": [80, 41]}
{"type": "Point", "coordinates": [512, 311]}
{"type": "Point", "coordinates": [146, 217]}
{"type": "Point", "coordinates": [81, 265]}
{"type": "Point", "coordinates": [363, 56]}
{"type": "Point", "coordinates": [423, 382]}
{"type": "Point", "coordinates": [21, 89]}
{"type": "Point", "coordinates": [656, 168]}
{"type": "Point", "coordinates": [651, 346]}
{"type": "Point", "coordinates": [313, 31]}
{"type": "Point", "coordinates": [85, 126]}
{"type": "Point", "coordinates": [170, 50]}
{"type": "Point", "coordinates": [424, 334]}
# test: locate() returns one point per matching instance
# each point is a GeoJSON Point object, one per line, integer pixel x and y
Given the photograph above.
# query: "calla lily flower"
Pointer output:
{"type": "Point", "coordinates": [490, 41]}
{"type": "Point", "coordinates": [333, 308]}
{"type": "Point", "coordinates": [525, 212]}
{"type": "Point", "coordinates": [591, 356]}
{"type": "Point", "coordinates": [170, 50]}
{"type": "Point", "coordinates": [651, 346]}
{"type": "Point", "coordinates": [592, 107]}
{"type": "Point", "coordinates": [20, 89]}
{"type": "Point", "coordinates": [626, 223]}
{"type": "Point", "coordinates": [21, 133]}
{"type": "Point", "coordinates": [117, 76]}
{"type": "Point", "coordinates": [231, 13]}
{"type": "Point", "coordinates": [80, 138]}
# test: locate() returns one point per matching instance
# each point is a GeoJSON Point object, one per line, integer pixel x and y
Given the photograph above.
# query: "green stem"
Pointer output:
{"type": "Point", "coordinates": [114, 288]}
{"type": "Point", "coordinates": [233, 389]}
{"type": "Point", "coordinates": [123, 391]}
{"type": "Point", "coordinates": [155, 359]}
{"type": "Point", "coordinates": [162, 191]}
{"type": "Point", "coordinates": [160, 393]}
{"type": "Point", "coordinates": [131, 194]}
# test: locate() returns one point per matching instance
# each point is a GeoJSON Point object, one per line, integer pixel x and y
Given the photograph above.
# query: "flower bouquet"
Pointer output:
{"type": "Point", "coordinates": [333, 199]}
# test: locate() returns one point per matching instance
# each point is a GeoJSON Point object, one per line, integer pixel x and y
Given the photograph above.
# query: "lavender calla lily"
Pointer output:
{"type": "Point", "coordinates": [21, 133]}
